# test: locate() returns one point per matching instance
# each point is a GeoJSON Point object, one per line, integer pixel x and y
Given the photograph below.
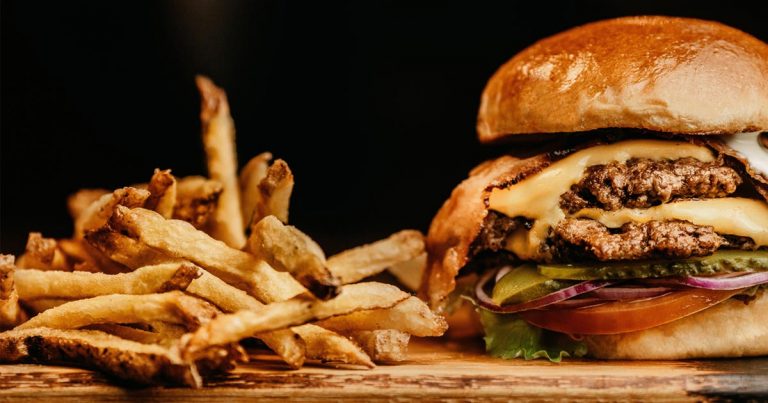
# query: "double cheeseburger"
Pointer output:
{"type": "Point", "coordinates": [630, 219]}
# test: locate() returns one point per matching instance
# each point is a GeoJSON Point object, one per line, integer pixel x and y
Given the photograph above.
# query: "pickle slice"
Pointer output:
{"type": "Point", "coordinates": [522, 284]}
{"type": "Point", "coordinates": [725, 261]}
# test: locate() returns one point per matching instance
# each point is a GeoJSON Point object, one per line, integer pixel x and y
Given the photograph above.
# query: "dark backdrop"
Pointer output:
{"type": "Point", "coordinates": [372, 103]}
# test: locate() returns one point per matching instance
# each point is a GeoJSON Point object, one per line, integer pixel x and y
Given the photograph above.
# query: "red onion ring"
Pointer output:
{"type": "Point", "coordinates": [502, 272]}
{"type": "Point", "coordinates": [626, 293]}
{"type": "Point", "coordinates": [560, 295]}
{"type": "Point", "coordinates": [720, 282]}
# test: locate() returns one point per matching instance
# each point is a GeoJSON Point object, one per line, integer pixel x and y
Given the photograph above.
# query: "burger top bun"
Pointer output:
{"type": "Point", "coordinates": [675, 75]}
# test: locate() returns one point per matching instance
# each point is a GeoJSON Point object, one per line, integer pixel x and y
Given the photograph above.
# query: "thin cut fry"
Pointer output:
{"type": "Point", "coordinates": [250, 176]}
{"type": "Point", "coordinates": [287, 249]}
{"type": "Point", "coordinates": [35, 284]}
{"type": "Point", "coordinates": [125, 359]}
{"type": "Point", "coordinates": [409, 273]}
{"type": "Point", "coordinates": [233, 327]}
{"type": "Point", "coordinates": [332, 348]}
{"type": "Point", "coordinates": [132, 333]}
{"type": "Point", "coordinates": [128, 251]}
{"type": "Point", "coordinates": [173, 307]}
{"type": "Point", "coordinates": [44, 304]}
{"type": "Point", "coordinates": [275, 193]}
{"type": "Point", "coordinates": [196, 200]}
{"type": "Point", "coordinates": [162, 189]}
{"type": "Point", "coordinates": [411, 316]}
{"type": "Point", "coordinates": [42, 253]}
{"type": "Point", "coordinates": [180, 239]}
{"type": "Point", "coordinates": [219, 143]}
{"type": "Point", "coordinates": [364, 261]}
{"type": "Point", "coordinates": [80, 200]}
{"type": "Point", "coordinates": [383, 346]}
{"type": "Point", "coordinates": [11, 313]}
{"type": "Point", "coordinates": [97, 214]}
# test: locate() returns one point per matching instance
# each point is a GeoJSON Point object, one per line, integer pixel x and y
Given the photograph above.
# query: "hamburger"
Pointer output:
{"type": "Point", "coordinates": [629, 219]}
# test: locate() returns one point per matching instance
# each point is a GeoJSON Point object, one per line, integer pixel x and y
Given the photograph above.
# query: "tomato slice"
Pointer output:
{"type": "Point", "coordinates": [627, 316]}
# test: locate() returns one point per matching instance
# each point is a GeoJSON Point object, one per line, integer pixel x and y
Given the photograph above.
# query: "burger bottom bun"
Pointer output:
{"type": "Point", "coordinates": [730, 329]}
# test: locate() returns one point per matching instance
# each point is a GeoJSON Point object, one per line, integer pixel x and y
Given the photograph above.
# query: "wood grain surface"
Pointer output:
{"type": "Point", "coordinates": [436, 371]}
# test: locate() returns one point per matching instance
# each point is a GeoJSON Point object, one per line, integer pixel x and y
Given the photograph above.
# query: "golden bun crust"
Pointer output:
{"type": "Point", "coordinates": [676, 75]}
{"type": "Point", "coordinates": [730, 329]}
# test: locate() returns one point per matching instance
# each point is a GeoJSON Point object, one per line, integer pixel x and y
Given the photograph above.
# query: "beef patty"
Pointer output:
{"type": "Point", "coordinates": [642, 183]}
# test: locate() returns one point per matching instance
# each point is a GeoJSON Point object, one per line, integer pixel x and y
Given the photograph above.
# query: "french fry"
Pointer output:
{"type": "Point", "coordinates": [97, 214]}
{"type": "Point", "coordinates": [411, 316]}
{"type": "Point", "coordinates": [36, 284]}
{"type": "Point", "coordinates": [355, 264]}
{"type": "Point", "coordinates": [11, 313]}
{"type": "Point", "coordinates": [383, 346]}
{"type": "Point", "coordinates": [179, 239]}
{"type": "Point", "coordinates": [135, 334]}
{"type": "Point", "coordinates": [130, 360]}
{"type": "Point", "coordinates": [43, 290]}
{"type": "Point", "coordinates": [42, 253]}
{"type": "Point", "coordinates": [409, 273]}
{"type": "Point", "coordinates": [168, 333]}
{"type": "Point", "coordinates": [173, 307]}
{"type": "Point", "coordinates": [162, 193]}
{"type": "Point", "coordinates": [44, 304]}
{"type": "Point", "coordinates": [250, 176]}
{"type": "Point", "coordinates": [219, 144]}
{"type": "Point", "coordinates": [80, 200]}
{"type": "Point", "coordinates": [196, 200]}
{"type": "Point", "coordinates": [233, 327]}
{"type": "Point", "coordinates": [287, 249]}
{"type": "Point", "coordinates": [332, 348]}
{"type": "Point", "coordinates": [125, 250]}
{"type": "Point", "coordinates": [275, 193]}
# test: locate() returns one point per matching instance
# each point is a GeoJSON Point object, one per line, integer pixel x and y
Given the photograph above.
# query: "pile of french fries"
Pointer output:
{"type": "Point", "coordinates": [161, 281]}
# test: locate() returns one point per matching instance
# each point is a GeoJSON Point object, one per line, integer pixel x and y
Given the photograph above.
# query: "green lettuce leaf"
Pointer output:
{"type": "Point", "coordinates": [508, 336]}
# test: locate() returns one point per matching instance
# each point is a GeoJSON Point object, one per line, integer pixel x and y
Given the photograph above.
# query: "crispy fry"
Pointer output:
{"type": "Point", "coordinates": [44, 304]}
{"type": "Point", "coordinates": [332, 348]}
{"type": "Point", "coordinates": [179, 239]}
{"type": "Point", "coordinates": [275, 193]}
{"type": "Point", "coordinates": [287, 249]}
{"type": "Point", "coordinates": [97, 214]}
{"type": "Point", "coordinates": [137, 362]}
{"type": "Point", "coordinates": [168, 333]}
{"type": "Point", "coordinates": [36, 284]}
{"type": "Point", "coordinates": [383, 346]}
{"type": "Point", "coordinates": [162, 193]}
{"type": "Point", "coordinates": [11, 313]}
{"type": "Point", "coordinates": [42, 253]}
{"type": "Point", "coordinates": [250, 176]}
{"type": "Point", "coordinates": [411, 316]}
{"type": "Point", "coordinates": [80, 200]}
{"type": "Point", "coordinates": [173, 307]}
{"type": "Point", "coordinates": [128, 251]}
{"type": "Point", "coordinates": [219, 144]}
{"type": "Point", "coordinates": [355, 264]}
{"type": "Point", "coordinates": [409, 273]}
{"type": "Point", "coordinates": [132, 333]}
{"type": "Point", "coordinates": [196, 200]}
{"type": "Point", "coordinates": [233, 327]}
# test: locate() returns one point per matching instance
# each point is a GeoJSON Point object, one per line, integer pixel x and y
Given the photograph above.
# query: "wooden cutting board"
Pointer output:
{"type": "Point", "coordinates": [436, 371]}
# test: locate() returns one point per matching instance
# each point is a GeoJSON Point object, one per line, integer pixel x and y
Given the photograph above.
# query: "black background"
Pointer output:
{"type": "Point", "coordinates": [371, 103]}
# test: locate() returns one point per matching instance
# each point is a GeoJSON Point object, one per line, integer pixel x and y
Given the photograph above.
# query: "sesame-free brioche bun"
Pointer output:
{"type": "Point", "coordinates": [675, 75]}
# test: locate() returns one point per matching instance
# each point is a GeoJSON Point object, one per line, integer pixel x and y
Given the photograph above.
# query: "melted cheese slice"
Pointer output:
{"type": "Point", "coordinates": [538, 196]}
{"type": "Point", "coordinates": [730, 215]}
